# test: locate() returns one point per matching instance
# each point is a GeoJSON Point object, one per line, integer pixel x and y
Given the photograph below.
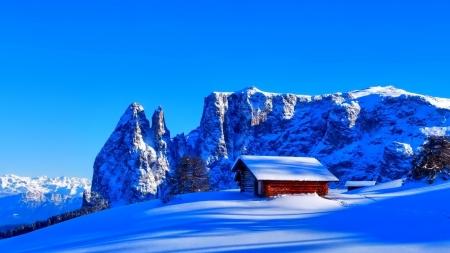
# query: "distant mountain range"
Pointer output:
{"type": "Point", "coordinates": [368, 134]}
{"type": "Point", "coordinates": [24, 200]}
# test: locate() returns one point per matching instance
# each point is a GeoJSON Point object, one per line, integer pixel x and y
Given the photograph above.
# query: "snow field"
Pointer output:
{"type": "Point", "coordinates": [410, 218]}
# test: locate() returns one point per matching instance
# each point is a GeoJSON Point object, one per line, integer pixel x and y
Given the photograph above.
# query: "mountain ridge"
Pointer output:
{"type": "Point", "coordinates": [11, 184]}
{"type": "Point", "coordinates": [25, 200]}
{"type": "Point", "coordinates": [367, 134]}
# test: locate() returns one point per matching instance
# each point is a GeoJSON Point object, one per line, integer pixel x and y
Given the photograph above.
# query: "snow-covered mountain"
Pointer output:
{"type": "Point", "coordinates": [25, 200]}
{"type": "Point", "coordinates": [133, 163]}
{"type": "Point", "coordinates": [359, 135]}
{"type": "Point", "coordinates": [13, 185]}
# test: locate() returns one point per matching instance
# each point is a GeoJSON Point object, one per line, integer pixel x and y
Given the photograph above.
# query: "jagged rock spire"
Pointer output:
{"type": "Point", "coordinates": [161, 134]}
{"type": "Point", "coordinates": [358, 135]}
{"type": "Point", "coordinates": [133, 161]}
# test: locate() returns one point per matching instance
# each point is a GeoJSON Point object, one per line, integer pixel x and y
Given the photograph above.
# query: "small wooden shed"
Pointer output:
{"type": "Point", "coordinates": [267, 176]}
{"type": "Point", "coordinates": [352, 185]}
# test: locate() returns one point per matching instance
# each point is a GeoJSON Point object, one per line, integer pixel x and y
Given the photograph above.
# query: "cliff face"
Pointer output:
{"type": "Point", "coordinates": [133, 162]}
{"type": "Point", "coordinates": [359, 135]}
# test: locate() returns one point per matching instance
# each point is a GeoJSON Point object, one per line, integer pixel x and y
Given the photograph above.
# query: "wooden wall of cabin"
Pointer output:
{"type": "Point", "coordinates": [273, 188]}
{"type": "Point", "coordinates": [247, 179]}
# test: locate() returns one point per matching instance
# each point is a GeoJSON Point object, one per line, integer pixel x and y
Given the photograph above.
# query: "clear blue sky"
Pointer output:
{"type": "Point", "coordinates": [69, 69]}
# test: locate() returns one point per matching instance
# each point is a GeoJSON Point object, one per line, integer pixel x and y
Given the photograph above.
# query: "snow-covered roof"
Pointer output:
{"type": "Point", "coordinates": [286, 168]}
{"type": "Point", "coordinates": [360, 183]}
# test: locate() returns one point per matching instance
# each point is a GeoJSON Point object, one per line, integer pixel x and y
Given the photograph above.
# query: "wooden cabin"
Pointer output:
{"type": "Point", "coordinates": [267, 176]}
{"type": "Point", "coordinates": [352, 185]}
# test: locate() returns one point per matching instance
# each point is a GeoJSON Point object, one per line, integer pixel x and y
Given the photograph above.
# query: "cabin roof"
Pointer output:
{"type": "Point", "coordinates": [280, 168]}
{"type": "Point", "coordinates": [359, 183]}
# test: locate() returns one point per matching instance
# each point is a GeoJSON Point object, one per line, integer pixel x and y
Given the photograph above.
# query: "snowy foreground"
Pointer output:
{"type": "Point", "coordinates": [382, 218]}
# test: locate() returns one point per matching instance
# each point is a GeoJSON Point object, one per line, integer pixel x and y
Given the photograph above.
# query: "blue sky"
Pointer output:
{"type": "Point", "coordinates": [69, 69]}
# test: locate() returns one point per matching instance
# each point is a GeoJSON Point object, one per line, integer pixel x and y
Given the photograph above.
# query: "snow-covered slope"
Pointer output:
{"type": "Point", "coordinates": [410, 220]}
{"type": "Point", "coordinates": [25, 200]}
{"type": "Point", "coordinates": [369, 134]}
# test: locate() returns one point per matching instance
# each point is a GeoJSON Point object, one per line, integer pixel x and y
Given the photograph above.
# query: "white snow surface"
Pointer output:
{"type": "Point", "coordinates": [360, 183]}
{"type": "Point", "coordinates": [386, 91]}
{"type": "Point", "coordinates": [391, 91]}
{"type": "Point", "coordinates": [409, 218]}
{"type": "Point", "coordinates": [287, 168]}
{"type": "Point", "coordinates": [435, 131]}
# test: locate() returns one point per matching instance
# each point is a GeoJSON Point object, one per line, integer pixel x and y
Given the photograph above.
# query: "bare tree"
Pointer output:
{"type": "Point", "coordinates": [432, 160]}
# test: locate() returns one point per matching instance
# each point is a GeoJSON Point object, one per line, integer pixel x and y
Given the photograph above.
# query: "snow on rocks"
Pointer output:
{"type": "Point", "coordinates": [24, 199]}
{"type": "Point", "coordinates": [134, 160]}
{"type": "Point", "coordinates": [359, 135]}
{"type": "Point", "coordinates": [387, 91]}
{"type": "Point", "coordinates": [13, 185]}
{"type": "Point", "coordinates": [435, 131]}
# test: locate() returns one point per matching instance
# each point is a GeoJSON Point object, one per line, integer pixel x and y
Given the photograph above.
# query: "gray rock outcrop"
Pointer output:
{"type": "Point", "coordinates": [360, 135]}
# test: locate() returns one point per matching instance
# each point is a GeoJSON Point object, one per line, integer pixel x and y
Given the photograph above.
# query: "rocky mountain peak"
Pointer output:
{"type": "Point", "coordinates": [250, 90]}
{"type": "Point", "coordinates": [349, 132]}
{"type": "Point", "coordinates": [133, 162]}
{"type": "Point", "coordinates": [134, 113]}
{"type": "Point", "coordinates": [159, 125]}
{"type": "Point", "coordinates": [12, 185]}
{"type": "Point", "coordinates": [367, 134]}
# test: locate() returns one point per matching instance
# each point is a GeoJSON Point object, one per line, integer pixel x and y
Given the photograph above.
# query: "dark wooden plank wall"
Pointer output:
{"type": "Point", "coordinates": [247, 180]}
{"type": "Point", "coordinates": [273, 188]}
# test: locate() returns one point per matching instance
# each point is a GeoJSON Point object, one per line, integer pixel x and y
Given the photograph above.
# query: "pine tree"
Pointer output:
{"type": "Point", "coordinates": [433, 159]}
{"type": "Point", "coordinates": [191, 175]}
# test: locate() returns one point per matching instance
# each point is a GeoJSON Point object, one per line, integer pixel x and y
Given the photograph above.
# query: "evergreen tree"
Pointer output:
{"type": "Point", "coordinates": [191, 175]}
{"type": "Point", "coordinates": [433, 159]}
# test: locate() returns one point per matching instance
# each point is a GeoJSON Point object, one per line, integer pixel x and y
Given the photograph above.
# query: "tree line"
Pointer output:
{"type": "Point", "coordinates": [23, 229]}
